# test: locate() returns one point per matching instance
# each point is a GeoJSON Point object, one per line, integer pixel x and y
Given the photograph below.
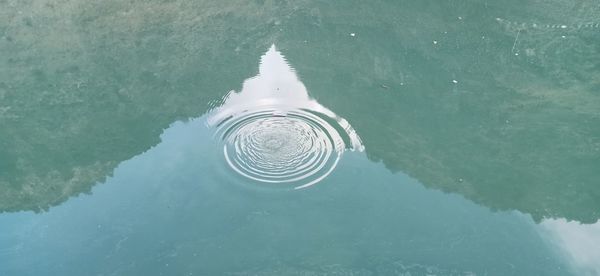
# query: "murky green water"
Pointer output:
{"type": "Point", "coordinates": [299, 138]}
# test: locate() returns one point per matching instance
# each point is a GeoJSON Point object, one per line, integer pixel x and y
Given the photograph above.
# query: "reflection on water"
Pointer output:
{"type": "Point", "coordinates": [579, 243]}
{"type": "Point", "coordinates": [169, 212]}
{"type": "Point", "coordinates": [473, 98]}
{"type": "Point", "coordinates": [273, 132]}
{"type": "Point", "coordinates": [87, 85]}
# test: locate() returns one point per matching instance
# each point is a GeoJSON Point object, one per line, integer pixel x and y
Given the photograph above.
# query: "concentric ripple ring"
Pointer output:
{"type": "Point", "coordinates": [297, 148]}
{"type": "Point", "coordinates": [272, 132]}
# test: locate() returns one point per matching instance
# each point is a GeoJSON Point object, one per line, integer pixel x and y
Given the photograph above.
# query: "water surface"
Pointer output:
{"type": "Point", "coordinates": [406, 138]}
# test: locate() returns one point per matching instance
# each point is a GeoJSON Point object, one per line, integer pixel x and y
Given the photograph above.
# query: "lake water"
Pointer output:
{"type": "Point", "coordinates": [182, 137]}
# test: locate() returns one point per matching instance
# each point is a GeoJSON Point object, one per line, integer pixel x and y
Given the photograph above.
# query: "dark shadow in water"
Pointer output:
{"type": "Point", "coordinates": [503, 113]}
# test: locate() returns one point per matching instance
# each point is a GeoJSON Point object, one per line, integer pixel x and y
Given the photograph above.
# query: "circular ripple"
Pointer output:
{"type": "Point", "coordinates": [292, 149]}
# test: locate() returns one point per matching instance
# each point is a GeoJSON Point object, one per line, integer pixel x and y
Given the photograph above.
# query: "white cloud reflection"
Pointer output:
{"type": "Point", "coordinates": [580, 243]}
{"type": "Point", "coordinates": [274, 132]}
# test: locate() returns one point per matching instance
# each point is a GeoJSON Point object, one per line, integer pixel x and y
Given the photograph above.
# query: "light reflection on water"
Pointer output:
{"type": "Point", "coordinates": [172, 210]}
{"type": "Point", "coordinates": [273, 132]}
{"type": "Point", "coordinates": [578, 243]}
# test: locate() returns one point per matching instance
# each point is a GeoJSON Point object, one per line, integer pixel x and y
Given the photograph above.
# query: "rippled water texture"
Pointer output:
{"type": "Point", "coordinates": [273, 132]}
{"type": "Point", "coordinates": [393, 137]}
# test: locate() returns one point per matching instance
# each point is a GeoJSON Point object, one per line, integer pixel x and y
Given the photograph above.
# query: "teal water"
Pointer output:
{"type": "Point", "coordinates": [299, 138]}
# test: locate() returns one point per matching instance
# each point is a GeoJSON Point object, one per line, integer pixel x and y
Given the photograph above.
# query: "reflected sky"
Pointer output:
{"type": "Point", "coordinates": [273, 132]}
{"type": "Point", "coordinates": [577, 242]}
{"type": "Point", "coordinates": [172, 211]}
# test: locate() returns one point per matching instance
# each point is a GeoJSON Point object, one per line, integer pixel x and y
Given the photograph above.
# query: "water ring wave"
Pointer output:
{"type": "Point", "coordinates": [273, 133]}
{"type": "Point", "coordinates": [294, 148]}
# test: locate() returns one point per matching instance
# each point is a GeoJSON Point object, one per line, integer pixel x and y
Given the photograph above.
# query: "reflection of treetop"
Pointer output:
{"type": "Point", "coordinates": [84, 94]}
{"type": "Point", "coordinates": [515, 132]}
